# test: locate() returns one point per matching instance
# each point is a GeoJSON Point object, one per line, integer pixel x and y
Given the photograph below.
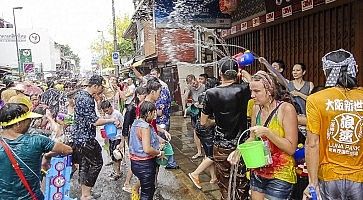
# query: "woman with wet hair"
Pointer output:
{"type": "Point", "coordinates": [144, 148]}
{"type": "Point", "coordinates": [28, 149]}
{"type": "Point", "coordinates": [299, 88]}
{"type": "Point", "coordinates": [274, 120]}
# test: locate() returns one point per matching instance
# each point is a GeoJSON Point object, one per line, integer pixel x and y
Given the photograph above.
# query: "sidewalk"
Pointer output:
{"type": "Point", "coordinates": [184, 149]}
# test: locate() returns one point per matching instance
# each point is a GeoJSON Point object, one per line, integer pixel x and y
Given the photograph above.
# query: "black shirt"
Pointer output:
{"type": "Point", "coordinates": [228, 105]}
{"type": "Point", "coordinates": [84, 117]}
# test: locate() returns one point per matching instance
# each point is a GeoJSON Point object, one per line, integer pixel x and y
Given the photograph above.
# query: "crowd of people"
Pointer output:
{"type": "Point", "coordinates": [39, 122]}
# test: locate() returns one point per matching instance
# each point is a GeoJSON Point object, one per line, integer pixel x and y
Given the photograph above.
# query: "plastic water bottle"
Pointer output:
{"type": "Point", "coordinates": [313, 193]}
{"type": "Point", "coordinates": [267, 152]}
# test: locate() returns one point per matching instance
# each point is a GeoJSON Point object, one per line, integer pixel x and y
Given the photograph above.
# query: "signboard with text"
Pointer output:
{"type": "Point", "coordinates": [25, 56]}
{"type": "Point", "coordinates": [205, 13]}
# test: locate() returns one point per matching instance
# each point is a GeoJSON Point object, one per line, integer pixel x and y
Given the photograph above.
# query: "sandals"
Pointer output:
{"type": "Point", "coordinates": [213, 181]}
{"type": "Point", "coordinates": [195, 181]}
{"type": "Point", "coordinates": [197, 156]}
{"type": "Point", "coordinates": [127, 188]}
{"type": "Point", "coordinates": [115, 177]}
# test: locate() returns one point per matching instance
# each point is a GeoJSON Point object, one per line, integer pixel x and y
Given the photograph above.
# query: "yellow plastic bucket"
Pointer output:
{"type": "Point", "coordinates": [253, 154]}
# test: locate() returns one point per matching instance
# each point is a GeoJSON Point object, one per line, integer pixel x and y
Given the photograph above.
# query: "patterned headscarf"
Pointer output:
{"type": "Point", "coordinates": [267, 81]}
{"type": "Point", "coordinates": [335, 67]}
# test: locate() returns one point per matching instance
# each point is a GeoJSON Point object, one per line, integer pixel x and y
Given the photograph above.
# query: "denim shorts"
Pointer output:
{"type": "Point", "coordinates": [341, 189]}
{"type": "Point", "coordinates": [273, 189]}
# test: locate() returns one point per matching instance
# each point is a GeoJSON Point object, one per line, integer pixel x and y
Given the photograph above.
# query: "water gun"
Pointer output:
{"type": "Point", "coordinates": [300, 153]}
{"type": "Point", "coordinates": [58, 179]}
{"type": "Point", "coordinates": [313, 194]}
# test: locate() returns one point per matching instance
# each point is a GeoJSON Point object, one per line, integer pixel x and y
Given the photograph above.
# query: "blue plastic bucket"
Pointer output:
{"type": "Point", "coordinates": [111, 130]}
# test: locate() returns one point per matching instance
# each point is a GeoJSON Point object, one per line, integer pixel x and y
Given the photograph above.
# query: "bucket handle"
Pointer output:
{"type": "Point", "coordinates": [244, 132]}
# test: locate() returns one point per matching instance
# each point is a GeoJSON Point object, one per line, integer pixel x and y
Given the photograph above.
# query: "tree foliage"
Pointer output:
{"type": "Point", "coordinates": [104, 47]}
{"type": "Point", "coordinates": [67, 52]}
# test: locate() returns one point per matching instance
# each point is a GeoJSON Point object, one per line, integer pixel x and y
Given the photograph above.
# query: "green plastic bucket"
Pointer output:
{"type": "Point", "coordinates": [168, 150]}
{"type": "Point", "coordinates": [253, 154]}
{"type": "Point", "coordinates": [162, 162]}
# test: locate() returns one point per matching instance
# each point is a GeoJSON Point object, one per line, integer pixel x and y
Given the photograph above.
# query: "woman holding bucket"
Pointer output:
{"type": "Point", "coordinates": [274, 121]}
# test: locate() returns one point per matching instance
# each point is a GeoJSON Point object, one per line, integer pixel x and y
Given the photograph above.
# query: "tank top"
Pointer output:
{"type": "Point", "coordinates": [305, 90]}
{"type": "Point", "coordinates": [282, 166]}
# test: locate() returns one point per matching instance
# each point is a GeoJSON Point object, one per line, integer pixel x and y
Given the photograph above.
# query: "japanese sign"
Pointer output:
{"type": "Point", "coordinates": [346, 129]}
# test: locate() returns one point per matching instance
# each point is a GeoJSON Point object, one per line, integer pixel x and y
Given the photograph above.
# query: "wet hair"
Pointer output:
{"type": "Point", "coordinates": [50, 84]}
{"type": "Point", "coordinates": [204, 76]}
{"type": "Point", "coordinates": [152, 85]}
{"type": "Point", "coordinates": [71, 94]}
{"type": "Point", "coordinates": [270, 83]}
{"type": "Point", "coordinates": [190, 78]}
{"type": "Point", "coordinates": [228, 68]}
{"type": "Point", "coordinates": [281, 64]}
{"type": "Point", "coordinates": [317, 89]}
{"type": "Point", "coordinates": [145, 108]}
{"type": "Point", "coordinates": [211, 83]}
{"type": "Point", "coordinates": [11, 111]}
{"type": "Point", "coordinates": [96, 80]}
{"type": "Point", "coordinates": [40, 110]}
{"type": "Point", "coordinates": [303, 66]}
{"type": "Point", "coordinates": [155, 70]}
{"type": "Point", "coordinates": [8, 83]}
{"type": "Point", "coordinates": [105, 104]}
{"type": "Point", "coordinates": [141, 90]}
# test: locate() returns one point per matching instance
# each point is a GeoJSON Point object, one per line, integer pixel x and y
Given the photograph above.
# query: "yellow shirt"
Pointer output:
{"type": "Point", "coordinates": [336, 115]}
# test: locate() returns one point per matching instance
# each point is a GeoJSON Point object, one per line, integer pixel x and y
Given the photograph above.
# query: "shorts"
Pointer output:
{"type": "Point", "coordinates": [206, 136]}
{"type": "Point", "coordinates": [341, 189]}
{"type": "Point", "coordinates": [274, 189]}
{"type": "Point", "coordinates": [112, 147]}
{"type": "Point", "coordinates": [90, 162]}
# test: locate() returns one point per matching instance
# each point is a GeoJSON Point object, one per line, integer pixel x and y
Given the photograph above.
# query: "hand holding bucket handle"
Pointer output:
{"type": "Point", "coordinates": [235, 156]}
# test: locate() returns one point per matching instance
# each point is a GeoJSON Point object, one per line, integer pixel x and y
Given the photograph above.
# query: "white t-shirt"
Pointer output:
{"type": "Point", "coordinates": [116, 115]}
{"type": "Point", "coordinates": [130, 89]}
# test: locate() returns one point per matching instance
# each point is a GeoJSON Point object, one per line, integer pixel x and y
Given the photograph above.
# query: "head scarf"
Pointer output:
{"type": "Point", "coordinates": [267, 81]}
{"type": "Point", "coordinates": [333, 76]}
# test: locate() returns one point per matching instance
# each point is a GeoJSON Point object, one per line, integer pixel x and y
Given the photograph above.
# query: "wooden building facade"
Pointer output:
{"type": "Point", "coordinates": [301, 32]}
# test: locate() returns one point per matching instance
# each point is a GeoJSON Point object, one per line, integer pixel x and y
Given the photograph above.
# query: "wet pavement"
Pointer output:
{"type": "Point", "coordinates": [172, 184]}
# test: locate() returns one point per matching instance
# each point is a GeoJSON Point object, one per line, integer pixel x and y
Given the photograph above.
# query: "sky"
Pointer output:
{"type": "Point", "coordinates": [72, 22]}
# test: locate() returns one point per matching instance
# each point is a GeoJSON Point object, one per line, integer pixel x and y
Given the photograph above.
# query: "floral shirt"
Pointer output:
{"type": "Point", "coordinates": [164, 101]}
{"type": "Point", "coordinates": [84, 118]}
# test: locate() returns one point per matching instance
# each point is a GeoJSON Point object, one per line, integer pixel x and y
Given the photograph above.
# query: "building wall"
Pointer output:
{"type": "Point", "coordinates": [42, 52]}
{"type": "Point", "coordinates": [175, 45]}
{"type": "Point", "coordinates": [150, 39]}
{"type": "Point", "coordinates": [307, 37]}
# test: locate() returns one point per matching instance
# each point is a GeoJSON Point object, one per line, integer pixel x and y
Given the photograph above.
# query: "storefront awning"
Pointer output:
{"type": "Point", "coordinates": [138, 63]}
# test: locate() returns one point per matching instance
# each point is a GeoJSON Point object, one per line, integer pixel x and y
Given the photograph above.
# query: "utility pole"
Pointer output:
{"type": "Point", "coordinates": [117, 67]}
{"type": "Point", "coordinates": [16, 43]}
{"type": "Point", "coordinates": [103, 50]}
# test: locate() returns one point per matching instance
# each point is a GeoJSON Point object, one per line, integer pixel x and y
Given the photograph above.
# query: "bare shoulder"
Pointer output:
{"type": "Point", "coordinates": [287, 107]}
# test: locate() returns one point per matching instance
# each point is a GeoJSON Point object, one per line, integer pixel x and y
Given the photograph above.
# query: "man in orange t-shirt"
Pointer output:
{"type": "Point", "coordinates": [334, 144]}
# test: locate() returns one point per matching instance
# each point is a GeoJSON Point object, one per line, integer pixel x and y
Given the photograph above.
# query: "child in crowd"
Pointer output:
{"type": "Point", "coordinates": [110, 112]}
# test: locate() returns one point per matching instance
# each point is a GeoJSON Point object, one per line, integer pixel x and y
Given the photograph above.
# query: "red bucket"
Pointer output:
{"type": "Point", "coordinates": [103, 133]}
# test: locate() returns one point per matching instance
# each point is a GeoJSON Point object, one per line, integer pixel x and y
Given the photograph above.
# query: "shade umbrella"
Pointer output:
{"type": "Point", "coordinates": [31, 89]}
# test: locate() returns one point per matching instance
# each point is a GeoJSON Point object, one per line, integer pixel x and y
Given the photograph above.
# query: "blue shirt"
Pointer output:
{"type": "Point", "coordinates": [30, 148]}
{"type": "Point", "coordinates": [164, 100]}
{"type": "Point", "coordinates": [84, 118]}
